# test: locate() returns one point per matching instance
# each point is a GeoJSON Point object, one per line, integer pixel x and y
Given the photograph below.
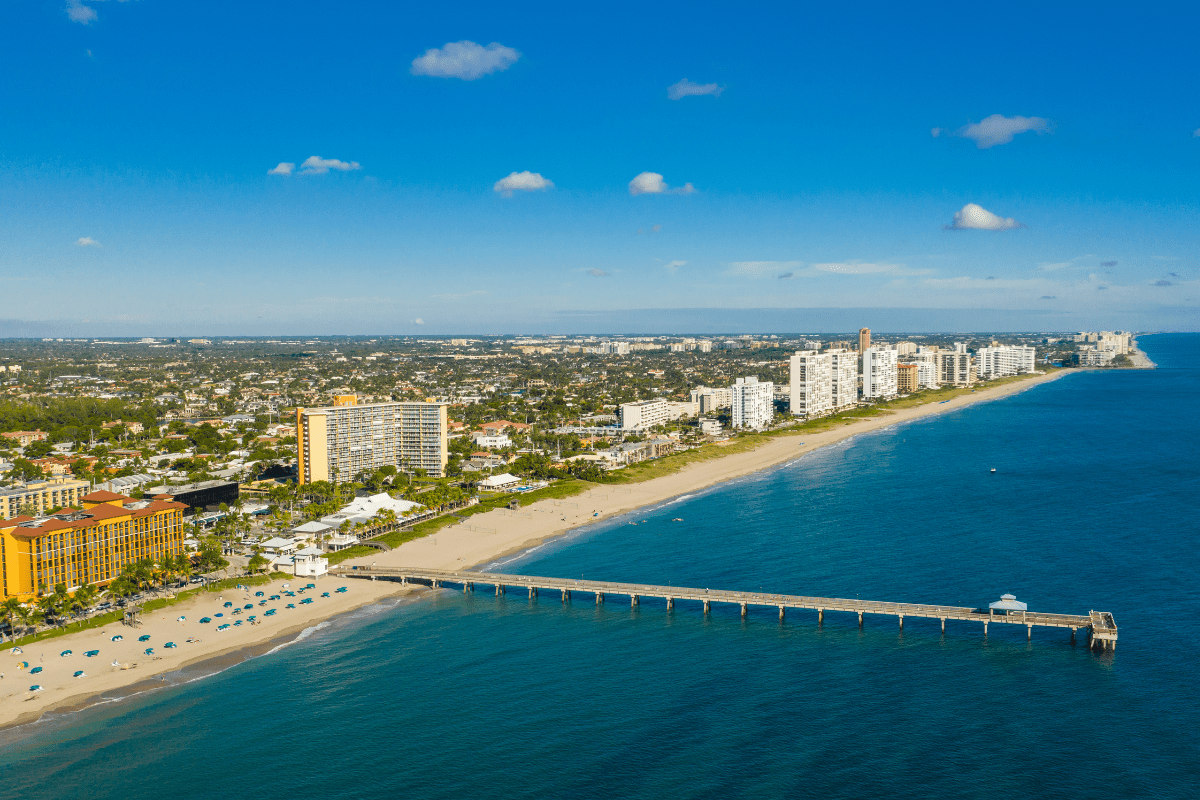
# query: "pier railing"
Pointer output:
{"type": "Point", "coordinates": [1100, 626]}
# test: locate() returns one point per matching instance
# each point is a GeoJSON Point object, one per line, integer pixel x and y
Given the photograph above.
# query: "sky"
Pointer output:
{"type": "Point", "coordinates": [178, 167]}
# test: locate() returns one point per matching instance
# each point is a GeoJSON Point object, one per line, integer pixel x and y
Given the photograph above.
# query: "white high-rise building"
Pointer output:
{"type": "Point", "coordinates": [753, 405]}
{"type": "Point", "coordinates": [879, 373]}
{"type": "Point", "coordinates": [811, 384]}
{"type": "Point", "coordinates": [927, 374]}
{"type": "Point", "coordinates": [998, 362]}
{"type": "Point", "coordinates": [844, 364]}
{"type": "Point", "coordinates": [954, 369]}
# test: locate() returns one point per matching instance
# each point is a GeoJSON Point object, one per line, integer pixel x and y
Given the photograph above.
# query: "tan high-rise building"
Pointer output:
{"type": "Point", "coordinates": [338, 442]}
{"type": "Point", "coordinates": [906, 378]}
{"type": "Point", "coordinates": [864, 339]}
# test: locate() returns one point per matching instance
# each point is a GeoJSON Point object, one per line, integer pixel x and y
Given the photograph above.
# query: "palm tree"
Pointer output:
{"type": "Point", "coordinates": [30, 616]}
{"type": "Point", "coordinates": [10, 609]}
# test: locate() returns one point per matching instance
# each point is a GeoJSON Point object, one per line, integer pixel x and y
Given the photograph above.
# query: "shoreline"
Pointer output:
{"type": "Point", "coordinates": [491, 536]}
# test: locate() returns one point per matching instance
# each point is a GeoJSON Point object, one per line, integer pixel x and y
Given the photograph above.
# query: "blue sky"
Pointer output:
{"type": "Point", "coordinates": [797, 168]}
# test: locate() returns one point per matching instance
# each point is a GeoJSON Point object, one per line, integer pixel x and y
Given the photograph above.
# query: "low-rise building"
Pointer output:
{"type": "Point", "coordinates": [38, 497]}
{"type": "Point", "coordinates": [23, 438]}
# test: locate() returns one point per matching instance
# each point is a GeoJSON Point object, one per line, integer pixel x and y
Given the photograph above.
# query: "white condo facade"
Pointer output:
{"type": "Point", "coordinates": [710, 398]}
{"type": "Point", "coordinates": [999, 362]}
{"type": "Point", "coordinates": [644, 414]}
{"type": "Point", "coordinates": [844, 372]}
{"type": "Point", "coordinates": [879, 373]}
{"type": "Point", "coordinates": [753, 403]}
{"type": "Point", "coordinates": [811, 384]}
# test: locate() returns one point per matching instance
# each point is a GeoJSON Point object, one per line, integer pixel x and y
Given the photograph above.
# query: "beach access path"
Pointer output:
{"type": "Point", "coordinates": [480, 539]}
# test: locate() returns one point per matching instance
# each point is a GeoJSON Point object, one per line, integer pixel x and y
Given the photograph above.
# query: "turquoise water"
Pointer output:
{"type": "Point", "coordinates": [1093, 505]}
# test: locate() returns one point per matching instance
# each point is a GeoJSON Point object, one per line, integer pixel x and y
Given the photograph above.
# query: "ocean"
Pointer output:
{"type": "Point", "coordinates": [1092, 506]}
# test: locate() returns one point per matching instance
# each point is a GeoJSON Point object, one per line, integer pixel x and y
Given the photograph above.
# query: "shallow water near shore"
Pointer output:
{"type": "Point", "coordinates": [1092, 506]}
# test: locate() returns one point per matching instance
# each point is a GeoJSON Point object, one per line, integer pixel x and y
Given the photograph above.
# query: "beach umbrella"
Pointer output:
{"type": "Point", "coordinates": [258, 594]}
{"type": "Point", "coordinates": [37, 687]}
{"type": "Point", "coordinates": [205, 619]}
{"type": "Point", "coordinates": [291, 605]}
{"type": "Point", "coordinates": [92, 653]}
{"type": "Point", "coordinates": [118, 638]}
{"type": "Point", "coordinates": [64, 654]}
{"type": "Point", "coordinates": [180, 619]}
{"type": "Point", "coordinates": [16, 651]}
{"type": "Point", "coordinates": [228, 604]}
{"type": "Point", "coordinates": [149, 651]}
{"type": "Point", "coordinates": [324, 594]}
{"type": "Point", "coordinates": [22, 665]}
{"type": "Point", "coordinates": [239, 622]}
{"type": "Point", "coordinates": [79, 674]}
{"type": "Point", "coordinates": [220, 615]}
{"type": "Point", "coordinates": [36, 670]}
{"type": "Point", "coordinates": [145, 637]}
{"type": "Point", "coordinates": [248, 605]}
{"type": "Point", "coordinates": [169, 644]}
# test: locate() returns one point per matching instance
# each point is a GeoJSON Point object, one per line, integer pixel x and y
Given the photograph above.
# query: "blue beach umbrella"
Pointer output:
{"type": "Point", "coordinates": [206, 619]}
{"type": "Point", "coordinates": [92, 653]}
{"type": "Point", "coordinates": [37, 687]}
{"type": "Point", "coordinates": [117, 638]}
{"type": "Point", "coordinates": [78, 674]}
{"type": "Point", "coordinates": [35, 670]}
{"type": "Point", "coordinates": [145, 637]}
{"type": "Point", "coordinates": [149, 651]}
{"type": "Point", "coordinates": [64, 654]}
{"type": "Point", "coordinates": [169, 644]}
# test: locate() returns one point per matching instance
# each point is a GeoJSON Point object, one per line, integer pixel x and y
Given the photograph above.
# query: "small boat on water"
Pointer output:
{"type": "Point", "coordinates": [677, 519]}
{"type": "Point", "coordinates": [993, 469]}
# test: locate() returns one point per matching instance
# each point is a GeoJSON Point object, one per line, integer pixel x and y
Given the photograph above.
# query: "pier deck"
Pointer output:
{"type": "Point", "coordinates": [1100, 625]}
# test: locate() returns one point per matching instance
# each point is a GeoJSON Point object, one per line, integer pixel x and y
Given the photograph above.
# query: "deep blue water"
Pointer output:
{"type": "Point", "coordinates": [1093, 505]}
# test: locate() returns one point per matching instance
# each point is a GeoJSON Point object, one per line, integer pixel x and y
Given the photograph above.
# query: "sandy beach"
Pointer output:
{"type": "Point", "coordinates": [483, 538]}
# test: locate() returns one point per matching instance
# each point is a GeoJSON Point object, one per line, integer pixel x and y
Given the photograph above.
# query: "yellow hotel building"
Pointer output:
{"type": "Point", "coordinates": [87, 545]}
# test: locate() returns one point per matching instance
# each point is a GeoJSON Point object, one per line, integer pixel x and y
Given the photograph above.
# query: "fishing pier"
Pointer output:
{"type": "Point", "coordinates": [1099, 625]}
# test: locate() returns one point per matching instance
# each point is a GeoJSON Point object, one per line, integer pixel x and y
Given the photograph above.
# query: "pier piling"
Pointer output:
{"type": "Point", "coordinates": [1099, 626]}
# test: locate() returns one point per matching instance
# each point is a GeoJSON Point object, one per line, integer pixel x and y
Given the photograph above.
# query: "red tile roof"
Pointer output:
{"type": "Point", "coordinates": [102, 497]}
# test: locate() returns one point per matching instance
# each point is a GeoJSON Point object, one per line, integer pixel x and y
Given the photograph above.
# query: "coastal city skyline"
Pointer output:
{"type": "Point", "coordinates": [504, 175]}
{"type": "Point", "coordinates": [632, 401]}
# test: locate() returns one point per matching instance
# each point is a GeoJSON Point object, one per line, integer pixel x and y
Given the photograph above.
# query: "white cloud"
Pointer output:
{"type": "Point", "coordinates": [78, 12]}
{"type": "Point", "coordinates": [86, 241]}
{"type": "Point", "coordinates": [284, 168]}
{"type": "Point", "coordinates": [522, 182]}
{"type": "Point", "coordinates": [674, 266]}
{"type": "Point", "coordinates": [757, 269]}
{"type": "Point", "coordinates": [999, 129]}
{"type": "Point", "coordinates": [462, 295]}
{"type": "Point", "coordinates": [859, 268]}
{"type": "Point", "coordinates": [975, 217]}
{"type": "Point", "coordinates": [685, 88]}
{"type": "Point", "coordinates": [1196, 133]}
{"type": "Point", "coordinates": [653, 183]}
{"type": "Point", "coordinates": [315, 165]}
{"type": "Point", "coordinates": [465, 60]}
{"type": "Point", "coordinates": [418, 321]}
